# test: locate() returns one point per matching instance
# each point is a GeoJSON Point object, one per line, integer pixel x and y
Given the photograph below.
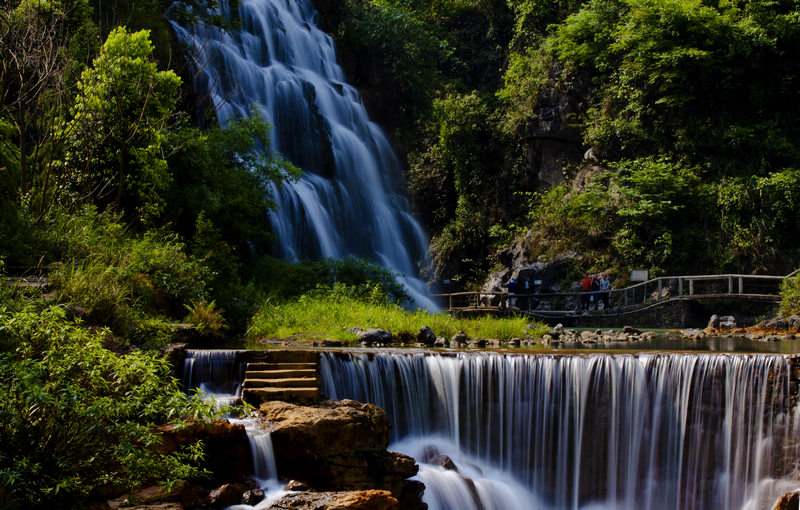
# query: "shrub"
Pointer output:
{"type": "Point", "coordinates": [790, 297]}
{"type": "Point", "coordinates": [76, 419]}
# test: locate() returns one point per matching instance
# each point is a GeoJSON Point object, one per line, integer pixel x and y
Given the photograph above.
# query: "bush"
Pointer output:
{"type": "Point", "coordinates": [76, 419]}
{"type": "Point", "coordinates": [790, 297]}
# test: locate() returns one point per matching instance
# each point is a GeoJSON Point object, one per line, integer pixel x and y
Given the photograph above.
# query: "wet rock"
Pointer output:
{"type": "Point", "coordinates": [789, 501]}
{"type": "Point", "coordinates": [227, 495]}
{"type": "Point", "coordinates": [514, 342]}
{"type": "Point", "coordinates": [713, 322]}
{"type": "Point", "coordinates": [440, 342]}
{"type": "Point", "coordinates": [444, 461]}
{"type": "Point", "coordinates": [794, 323]}
{"type": "Point", "coordinates": [426, 336]}
{"type": "Point", "coordinates": [478, 343]}
{"type": "Point", "coordinates": [332, 343]}
{"type": "Point", "coordinates": [296, 485]}
{"type": "Point", "coordinates": [252, 497]}
{"type": "Point", "coordinates": [373, 336]}
{"type": "Point", "coordinates": [558, 329]}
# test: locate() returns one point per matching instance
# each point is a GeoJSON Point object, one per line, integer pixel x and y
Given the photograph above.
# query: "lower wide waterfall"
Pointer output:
{"type": "Point", "coordinates": [654, 431]}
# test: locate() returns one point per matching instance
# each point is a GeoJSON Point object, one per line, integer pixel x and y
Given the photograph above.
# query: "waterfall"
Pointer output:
{"type": "Point", "coordinates": [219, 375]}
{"type": "Point", "coordinates": [347, 203]}
{"type": "Point", "coordinates": [657, 431]}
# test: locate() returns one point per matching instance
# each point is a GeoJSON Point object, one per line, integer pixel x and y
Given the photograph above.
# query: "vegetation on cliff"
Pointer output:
{"type": "Point", "coordinates": [683, 109]}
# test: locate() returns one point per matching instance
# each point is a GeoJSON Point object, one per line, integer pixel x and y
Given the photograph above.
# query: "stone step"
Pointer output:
{"type": "Point", "coordinates": [281, 366]}
{"type": "Point", "coordinates": [289, 382]}
{"type": "Point", "coordinates": [257, 395]}
{"type": "Point", "coordinates": [279, 374]}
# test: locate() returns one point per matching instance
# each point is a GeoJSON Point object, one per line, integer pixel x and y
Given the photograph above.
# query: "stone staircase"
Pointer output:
{"type": "Point", "coordinates": [290, 381]}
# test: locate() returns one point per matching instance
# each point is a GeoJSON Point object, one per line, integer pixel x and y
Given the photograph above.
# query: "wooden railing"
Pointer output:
{"type": "Point", "coordinates": [639, 295]}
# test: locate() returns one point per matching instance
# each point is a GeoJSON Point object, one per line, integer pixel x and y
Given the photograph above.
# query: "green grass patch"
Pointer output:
{"type": "Point", "coordinates": [329, 312]}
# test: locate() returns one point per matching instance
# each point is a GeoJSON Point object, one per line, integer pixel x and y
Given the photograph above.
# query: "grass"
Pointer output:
{"type": "Point", "coordinates": [320, 316]}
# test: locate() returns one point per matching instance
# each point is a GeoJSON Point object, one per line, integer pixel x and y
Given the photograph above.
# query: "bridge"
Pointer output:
{"type": "Point", "coordinates": [628, 300]}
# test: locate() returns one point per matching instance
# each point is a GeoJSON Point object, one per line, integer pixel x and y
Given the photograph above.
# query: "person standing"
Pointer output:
{"type": "Point", "coordinates": [586, 287]}
{"type": "Point", "coordinates": [605, 287]}
{"type": "Point", "coordinates": [512, 290]}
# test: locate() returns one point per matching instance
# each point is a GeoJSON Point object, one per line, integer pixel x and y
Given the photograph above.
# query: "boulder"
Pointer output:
{"type": "Point", "coordinates": [630, 330]}
{"type": "Point", "coordinates": [353, 500]}
{"type": "Point", "coordinates": [459, 338]}
{"type": "Point", "coordinates": [331, 343]}
{"type": "Point", "coordinates": [226, 444]}
{"type": "Point", "coordinates": [794, 323]}
{"type": "Point", "coordinates": [713, 322]}
{"type": "Point", "coordinates": [440, 342]}
{"type": "Point", "coordinates": [727, 323]}
{"type": "Point", "coordinates": [426, 336]}
{"type": "Point", "coordinates": [336, 446]}
{"type": "Point", "coordinates": [789, 501]}
{"type": "Point", "coordinates": [444, 461]}
{"type": "Point", "coordinates": [374, 336]}
{"type": "Point", "coordinates": [227, 495]}
{"type": "Point", "coordinates": [252, 497]}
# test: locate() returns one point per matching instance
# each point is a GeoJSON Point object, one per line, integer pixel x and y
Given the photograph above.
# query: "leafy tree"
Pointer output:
{"type": "Point", "coordinates": [118, 126]}
{"type": "Point", "coordinates": [76, 419]}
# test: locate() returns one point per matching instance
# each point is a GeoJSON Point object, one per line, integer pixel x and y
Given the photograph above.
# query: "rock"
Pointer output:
{"type": "Point", "coordinates": [332, 343]}
{"type": "Point", "coordinates": [252, 497]}
{"type": "Point", "coordinates": [374, 336]}
{"type": "Point", "coordinates": [713, 322]}
{"type": "Point", "coordinates": [477, 343]}
{"type": "Point", "coordinates": [459, 338]}
{"type": "Point", "coordinates": [727, 323]}
{"type": "Point", "coordinates": [789, 501]}
{"type": "Point", "coordinates": [227, 495]}
{"type": "Point", "coordinates": [355, 330]}
{"type": "Point", "coordinates": [493, 342]}
{"type": "Point", "coordinates": [361, 500]}
{"type": "Point", "coordinates": [794, 324]}
{"type": "Point", "coordinates": [426, 336]}
{"type": "Point", "coordinates": [336, 446]}
{"type": "Point", "coordinates": [629, 330]}
{"type": "Point", "coordinates": [444, 461]}
{"type": "Point", "coordinates": [365, 500]}
{"type": "Point", "coordinates": [429, 452]}
{"type": "Point", "coordinates": [514, 342]}
{"type": "Point", "coordinates": [296, 485]}
{"type": "Point", "coordinates": [558, 329]}
{"type": "Point", "coordinates": [440, 342]}
{"type": "Point", "coordinates": [226, 446]}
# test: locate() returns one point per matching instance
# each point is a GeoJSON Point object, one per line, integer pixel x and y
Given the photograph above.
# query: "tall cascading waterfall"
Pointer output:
{"type": "Point", "coordinates": [656, 431]}
{"type": "Point", "coordinates": [347, 202]}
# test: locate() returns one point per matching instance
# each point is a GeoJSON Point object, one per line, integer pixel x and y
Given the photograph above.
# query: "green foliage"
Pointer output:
{"type": "Point", "coordinates": [328, 312]}
{"type": "Point", "coordinates": [649, 213]}
{"type": "Point", "coordinates": [118, 125]}
{"type": "Point", "coordinates": [759, 219]}
{"type": "Point", "coordinates": [76, 418]}
{"type": "Point", "coordinates": [790, 297]}
{"type": "Point", "coordinates": [206, 318]}
{"type": "Point", "coordinates": [286, 281]}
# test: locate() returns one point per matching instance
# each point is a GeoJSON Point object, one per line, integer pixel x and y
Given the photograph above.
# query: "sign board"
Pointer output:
{"type": "Point", "coordinates": [639, 275]}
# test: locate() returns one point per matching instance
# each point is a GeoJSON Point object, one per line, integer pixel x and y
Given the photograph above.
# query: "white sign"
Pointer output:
{"type": "Point", "coordinates": [639, 275]}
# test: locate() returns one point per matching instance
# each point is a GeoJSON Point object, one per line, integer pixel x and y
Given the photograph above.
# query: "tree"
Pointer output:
{"type": "Point", "coordinates": [119, 124]}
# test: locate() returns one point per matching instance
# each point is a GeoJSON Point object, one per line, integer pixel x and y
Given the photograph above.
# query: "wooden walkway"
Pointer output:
{"type": "Point", "coordinates": [628, 300]}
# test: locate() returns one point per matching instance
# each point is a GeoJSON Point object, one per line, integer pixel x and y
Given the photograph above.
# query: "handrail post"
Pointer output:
{"type": "Point", "coordinates": [730, 285]}
{"type": "Point", "coordinates": [741, 285]}
{"type": "Point", "coordinates": [658, 298]}
{"type": "Point", "coordinates": [691, 287]}
{"type": "Point", "coordinates": [680, 286]}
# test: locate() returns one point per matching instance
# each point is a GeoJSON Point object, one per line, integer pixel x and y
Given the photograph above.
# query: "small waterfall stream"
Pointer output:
{"type": "Point", "coordinates": [219, 375]}
{"type": "Point", "coordinates": [656, 431]}
{"type": "Point", "coordinates": [347, 203]}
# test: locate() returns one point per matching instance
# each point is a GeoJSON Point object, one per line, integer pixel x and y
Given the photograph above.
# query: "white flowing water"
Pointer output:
{"type": "Point", "coordinates": [347, 203]}
{"type": "Point", "coordinates": [656, 431]}
{"type": "Point", "coordinates": [219, 375]}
